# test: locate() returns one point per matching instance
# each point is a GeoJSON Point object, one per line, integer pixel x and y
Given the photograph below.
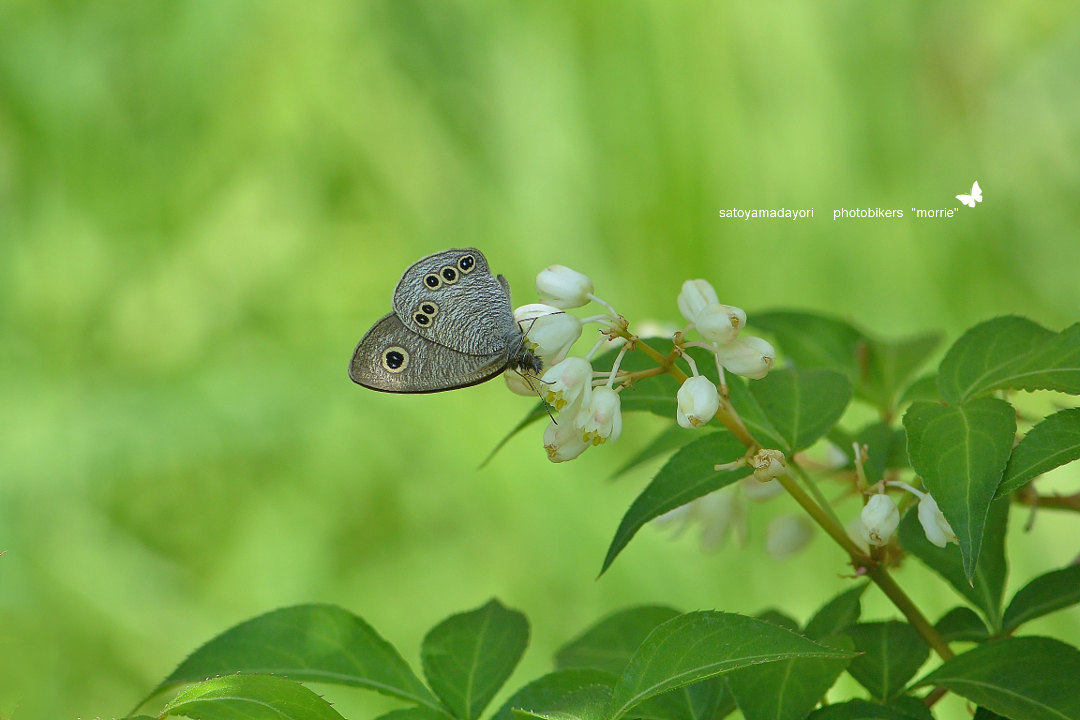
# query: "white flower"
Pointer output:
{"type": "Point", "coordinates": [768, 465]}
{"type": "Point", "coordinates": [750, 357]}
{"type": "Point", "coordinates": [936, 527]}
{"type": "Point", "coordinates": [694, 297]}
{"type": "Point", "coordinates": [787, 534]}
{"type": "Point", "coordinates": [563, 441]}
{"type": "Point", "coordinates": [563, 287]}
{"type": "Point", "coordinates": [718, 513]}
{"type": "Point", "coordinates": [601, 419]}
{"type": "Point", "coordinates": [698, 402]}
{"type": "Point", "coordinates": [719, 323]}
{"type": "Point", "coordinates": [879, 519]}
{"type": "Point", "coordinates": [549, 331]}
{"type": "Point", "coordinates": [567, 381]}
{"type": "Point", "coordinates": [760, 491]}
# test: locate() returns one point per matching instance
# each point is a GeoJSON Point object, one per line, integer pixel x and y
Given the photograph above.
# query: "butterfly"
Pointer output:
{"type": "Point", "coordinates": [974, 197]}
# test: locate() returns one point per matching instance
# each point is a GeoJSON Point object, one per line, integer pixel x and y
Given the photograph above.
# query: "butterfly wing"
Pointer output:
{"type": "Point", "coordinates": [976, 193]}
{"type": "Point", "coordinates": [472, 312]}
{"type": "Point", "coordinates": [966, 199]}
{"type": "Point", "coordinates": [392, 358]}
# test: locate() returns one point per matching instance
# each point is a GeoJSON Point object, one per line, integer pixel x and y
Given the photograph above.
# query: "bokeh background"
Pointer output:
{"type": "Point", "coordinates": [204, 204]}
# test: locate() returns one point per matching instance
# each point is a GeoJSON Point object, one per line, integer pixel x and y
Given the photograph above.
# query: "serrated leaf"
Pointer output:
{"type": "Point", "coordinates": [671, 438]}
{"type": "Point", "coordinates": [1033, 678]}
{"type": "Point", "coordinates": [688, 475]}
{"type": "Point", "coordinates": [811, 340]}
{"type": "Point", "coordinates": [254, 697]}
{"type": "Point", "coordinates": [700, 645]}
{"type": "Point", "coordinates": [778, 618]}
{"type": "Point", "coordinates": [799, 405]}
{"type": "Point", "coordinates": [1045, 594]}
{"type": "Point", "coordinates": [892, 652]}
{"type": "Point", "coordinates": [609, 644]}
{"type": "Point", "coordinates": [787, 689]}
{"type": "Point", "coordinates": [987, 587]}
{"type": "Point", "coordinates": [889, 366]}
{"type": "Point", "coordinates": [837, 615]}
{"type": "Point", "coordinates": [961, 452]}
{"type": "Point", "coordinates": [1010, 352]}
{"type": "Point", "coordinates": [582, 693]}
{"type": "Point", "coordinates": [961, 624]}
{"type": "Point", "coordinates": [468, 657]}
{"type": "Point", "coordinates": [317, 643]}
{"type": "Point", "coordinates": [1053, 442]}
{"type": "Point", "coordinates": [858, 710]}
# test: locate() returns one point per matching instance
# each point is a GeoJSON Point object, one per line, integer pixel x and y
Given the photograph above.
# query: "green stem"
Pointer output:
{"type": "Point", "coordinates": [878, 573]}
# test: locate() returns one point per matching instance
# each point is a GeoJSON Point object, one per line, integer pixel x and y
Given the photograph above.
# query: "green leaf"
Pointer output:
{"type": "Point", "coordinates": [582, 693]}
{"type": "Point", "coordinates": [671, 438]}
{"type": "Point", "coordinates": [253, 697]}
{"type": "Point", "coordinates": [987, 587]}
{"type": "Point", "coordinates": [858, 710]}
{"type": "Point", "coordinates": [787, 689]}
{"type": "Point", "coordinates": [889, 366]}
{"type": "Point", "coordinates": [1010, 352]}
{"type": "Point", "coordinates": [609, 644]}
{"type": "Point", "coordinates": [1032, 678]}
{"type": "Point", "coordinates": [961, 452]}
{"type": "Point", "coordinates": [799, 405]}
{"type": "Point", "coordinates": [961, 624]}
{"type": "Point", "coordinates": [892, 653]}
{"type": "Point", "coordinates": [688, 475]}
{"type": "Point", "coordinates": [1053, 442]}
{"type": "Point", "coordinates": [886, 449]}
{"type": "Point", "coordinates": [468, 657]}
{"type": "Point", "coordinates": [317, 643]}
{"type": "Point", "coordinates": [810, 340]}
{"type": "Point", "coordinates": [924, 388]}
{"type": "Point", "coordinates": [1045, 594]}
{"type": "Point", "coordinates": [778, 618]}
{"type": "Point", "coordinates": [837, 615]}
{"type": "Point", "coordinates": [699, 645]}
{"type": "Point", "coordinates": [416, 712]}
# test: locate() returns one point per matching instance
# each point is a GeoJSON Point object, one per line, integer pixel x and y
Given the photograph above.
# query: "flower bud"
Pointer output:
{"type": "Point", "coordinates": [879, 519]}
{"type": "Point", "coordinates": [698, 402]}
{"type": "Point", "coordinates": [563, 441]}
{"type": "Point", "coordinates": [750, 357]}
{"type": "Point", "coordinates": [768, 465]}
{"type": "Point", "coordinates": [600, 419]}
{"type": "Point", "coordinates": [936, 527]}
{"type": "Point", "coordinates": [567, 381]}
{"type": "Point", "coordinates": [719, 323]}
{"type": "Point", "coordinates": [563, 287]}
{"type": "Point", "coordinates": [694, 297]}
{"type": "Point", "coordinates": [549, 331]}
{"type": "Point", "coordinates": [787, 534]}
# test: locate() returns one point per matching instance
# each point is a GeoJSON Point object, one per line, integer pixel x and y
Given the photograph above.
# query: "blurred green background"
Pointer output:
{"type": "Point", "coordinates": [203, 205]}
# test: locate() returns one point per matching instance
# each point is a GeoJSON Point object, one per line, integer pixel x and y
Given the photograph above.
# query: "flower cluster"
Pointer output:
{"type": "Point", "coordinates": [587, 401]}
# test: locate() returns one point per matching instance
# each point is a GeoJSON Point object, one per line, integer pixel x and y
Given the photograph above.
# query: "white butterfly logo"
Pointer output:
{"type": "Point", "coordinates": [974, 197]}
